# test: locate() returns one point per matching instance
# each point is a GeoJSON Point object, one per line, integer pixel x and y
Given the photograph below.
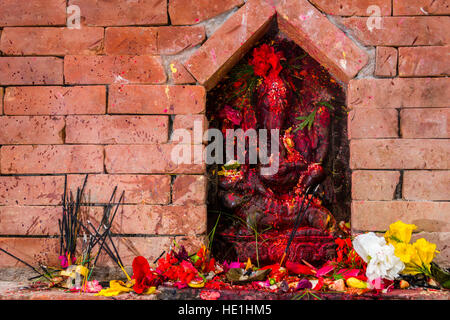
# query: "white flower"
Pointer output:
{"type": "Point", "coordinates": [367, 244]}
{"type": "Point", "coordinates": [380, 258]}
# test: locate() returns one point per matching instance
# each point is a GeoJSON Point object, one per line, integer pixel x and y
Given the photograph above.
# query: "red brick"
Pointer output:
{"type": "Point", "coordinates": [52, 159]}
{"type": "Point", "coordinates": [32, 250]}
{"type": "Point", "coordinates": [420, 7]}
{"type": "Point", "coordinates": [195, 11]}
{"type": "Point", "coordinates": [424, 61]}
{"type": "Point", "coordinates": [51, 41]}
{"type": "Point", "coordinates": [353, 7]}
{"type": "Point", "coordinates": [32, 12]}
{"type": "Point", "coordinates": [189, 190]}
{"type": "Point", "coordinates": [188, 122]}
{"type": "Point", "coordinates": [148, 159]}
{"type": "Point", "coordinates": [426, 185]}
{"type": "Point", "coordinates": [230, 43]}
{"type": "Point", "coordinates": [131, 40]}
{"type": "Point", "coordinates": [173, 40]}
{"type": "Point", "coordinates": [31, 190]}
{"type": "Point", "coordinates": [122, 12]}
{"type": "Point", "coordinates": [55, 100]}
{"type": "Point", "coordinates": [400, 31]}
{"type": "Point", "coordinates": [179, 73]}
{"type": "Point", "coordinates": [161, 220]}
{"type": "Point", "coordinates": [325, 42]}
{"type": "Point", "coordinates": [31, 130]}
{"type": "Point", "coordinates": [34, 220]}
{"type": "Point", "coordinates": [139, 189]}
{"type": "Point", "coordinates": [398, 93]}
{"type": "Point", "coordinates": [399, 154]}
{"type": "Point", "coordinates": [1, 100]}
{"type": "Point", "coordinates": [46, 250]}
{"type": "Point", "coordinates": [30, 70]}
{"type": "Point", "coordinates": [113, 69]}
{"type": "Point", "coordinates": [117, 129]}
{"type": "Point", "coordinates": [374, 185]}
{"type": "Point", "coordinates": [425, 123]}
{"type": "Point", "coordinates": [372, 123]}
{"type": "Point", "coordinates": [137, 99]}
{"type": "Point", "coordinates": [386, 62]}
{"type": "Point", "coordinates": [378, 215]}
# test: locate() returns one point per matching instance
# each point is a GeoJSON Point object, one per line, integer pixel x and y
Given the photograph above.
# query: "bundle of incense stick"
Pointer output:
{"type": "Point", "coordinates": [69, 223]}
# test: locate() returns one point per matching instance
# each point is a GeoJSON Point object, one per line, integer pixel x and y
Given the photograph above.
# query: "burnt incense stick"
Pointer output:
{"type": "Point", "coordinates": [298, 220]}
{"type": "Point", "coordinates": [105, 234]}
{"type": "Point", "coordinates": [25, 263]}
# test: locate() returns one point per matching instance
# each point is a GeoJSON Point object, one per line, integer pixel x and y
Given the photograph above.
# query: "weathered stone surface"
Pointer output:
{"type": "Point", "coordinates": [31, 130]}
{"type": "Point", "coordinates": [426, 185]}
{"type": "Point", "coordinates": [196, 125]}
{"type": "Point", "coordinates": [122, 12]}
{"type": "Point", "coordinates": [173, 40]}
{"type": "Point", "coordinates": [30, 70]}
{"type": "Point", "coordinates": [51, 41]}
{"type": "Point", "coordinates": [230, 43]}
{"type": "Point", "coordinates": [179, 73]}
{"type": "Point", "coordinates": [137, 99]}
{"type": "Point", "coordinates": [35, 220]}
{"type": "Point", "coordinates": [131, 40]}
{"type": "Point", "coordinates": [372, 123]}
{"type": "Point", "coordinates": [117, 129]}
{"type": "Point", "coordinates": [325, 42]}
{"type": "Point", "coordinates": [152, 159]}
{"type": "Point", "coordinates": [378, 215]}
{"type": "Point", "coordinates": [162, 220]}
{"type": "Point", "coordinates": [55, 100]}
{"type": "Point", "coordinates": [195, 11]}
{"type": "Point", "coordinates": [1, 100]}
{"type": "Point", "coordinates": [399, 154]}
{"type": "Point", "coordinates": [51, 159]}
{"type": "Point", "coordinates": [139, 189]}
{"type": "Point", "coordinates": [398, 93]}
{"type": "Point", "coordinates": [35, 251]}
{"type": "Point", "coordinates": [189, 190]}
{"type": "Point", "coordinates": [374, 185]}
{"type": "Point", "coordinates": [353, 7]}
{"type": "Point", "coordinates": [420, 7]}
{"type": "Point", "coordinates": [113, 69]}
{"type": "Point", "coordinates": [386, 62]}
{"type": "Point", "coordinates": [32, 13]}
{"type": "Point", "coordinates": [424, 61]}
{"type": "Point", "coordinates": [31, 190]}
{"type": "Point", "coordinates": [425, 123]}
{"type": "Point", "coordinates": [400, 31]}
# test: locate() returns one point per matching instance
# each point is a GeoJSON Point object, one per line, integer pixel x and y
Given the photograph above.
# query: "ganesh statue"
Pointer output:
{"type": "Point", "coordinates": [286, 92]}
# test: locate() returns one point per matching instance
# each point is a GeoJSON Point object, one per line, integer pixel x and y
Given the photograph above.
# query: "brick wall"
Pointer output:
{"type": "Point", "coordinates": [104, 100]}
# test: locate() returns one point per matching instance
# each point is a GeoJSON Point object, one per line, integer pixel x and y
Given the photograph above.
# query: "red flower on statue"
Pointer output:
{"type": "Point", "coordinates": [265, 59]}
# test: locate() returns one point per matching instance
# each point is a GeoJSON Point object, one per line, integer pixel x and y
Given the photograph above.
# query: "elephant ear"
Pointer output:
{"type": "Point", "coordinates": [441, 276]}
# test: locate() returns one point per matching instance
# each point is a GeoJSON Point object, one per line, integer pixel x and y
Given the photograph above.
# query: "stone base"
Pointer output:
{"type": "Point", "coordinates": [22, 291]}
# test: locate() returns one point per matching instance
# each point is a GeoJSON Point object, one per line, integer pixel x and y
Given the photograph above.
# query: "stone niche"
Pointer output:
{"type": "Point", "coordinates": [278, 86]}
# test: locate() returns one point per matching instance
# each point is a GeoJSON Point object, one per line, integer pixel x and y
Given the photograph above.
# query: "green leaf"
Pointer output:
{"type": "Point", "coordinates": [325, 104]}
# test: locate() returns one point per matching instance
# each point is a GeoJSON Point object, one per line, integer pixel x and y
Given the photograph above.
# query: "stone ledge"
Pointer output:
{"type": "Point", "coordinates": [21, 291]}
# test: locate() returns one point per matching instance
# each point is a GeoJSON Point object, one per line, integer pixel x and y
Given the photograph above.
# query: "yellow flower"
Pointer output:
{"type": "Point", "coordinates": [399, 232]}
{"type": "Point", "coordinates": [405, 251]}
{"type": "Point", "coordinates": [425, 251]}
